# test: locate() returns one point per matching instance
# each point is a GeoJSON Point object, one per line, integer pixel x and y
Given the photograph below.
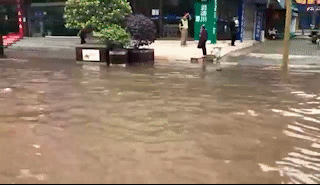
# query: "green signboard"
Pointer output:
{"type": "Point", "coordinates": [206, 13]}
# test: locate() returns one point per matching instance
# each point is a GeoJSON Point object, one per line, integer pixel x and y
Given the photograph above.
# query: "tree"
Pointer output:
{"type": "Point", "coordinates": [142, 30]}
{"type": "Point", "coordinates": [104, 15]}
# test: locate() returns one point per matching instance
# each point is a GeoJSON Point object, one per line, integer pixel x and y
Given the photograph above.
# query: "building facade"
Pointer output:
{"type": "Point", "coordinates": [276, 16]}
{"type": "Point", "coordinates": [172, 11]}
{"type": "Point", "coordinates": [14, 15]}
{"type": "Point", "coordinates": [308, 14]}
{"type": "Point", "coordinates": [45, 17]}
{"type": "Point", "coordinates": [251, 16]}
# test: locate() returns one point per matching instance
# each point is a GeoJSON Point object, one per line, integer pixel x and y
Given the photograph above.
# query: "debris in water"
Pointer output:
{"type": "Point", "coordinates": [266, 168]}
{"type": "Point", "coordinates": [36, 146]}
{"type": "Point", "coordinates": [252, 113]}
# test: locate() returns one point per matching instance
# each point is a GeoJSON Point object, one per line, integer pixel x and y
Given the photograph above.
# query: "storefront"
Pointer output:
{"type": "Point", "coordinates": [276, 19]}
{"type": "Point", "coordinates": [172, 12]}
{"type": "Point", "coordinates": [35, 17]}
{"type": "Point", "coordinates": [206, 14]}
{"type": "Point", "coordinates": [14, 16]}
{"type": "Point", "coordinates": [308, 16]}
{"type": "Point", "coordinates": [47, 19]}
{"type": "Point", "coordinates": [226, 9]}
{"type": "Point", "coordinates": [250, 15]}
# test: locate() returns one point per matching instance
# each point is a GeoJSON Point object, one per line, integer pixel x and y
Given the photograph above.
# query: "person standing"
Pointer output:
{"type": "Point", "coordinates": [203, 37]}
{"type": "Point", "coordinates": [183, 27]}
{"type": "Point", "coordinates": [237, 25]}
{"type": "Point", "coordinates": [233, 31]}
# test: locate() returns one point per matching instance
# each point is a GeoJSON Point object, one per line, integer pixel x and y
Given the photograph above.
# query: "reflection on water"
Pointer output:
{"type": "Point", "coordinates": [87, 123]}
{"type": "Point", "coordinates": [302, 164]}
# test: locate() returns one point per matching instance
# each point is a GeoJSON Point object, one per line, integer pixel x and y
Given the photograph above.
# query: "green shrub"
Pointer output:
{"type": "Point", "coordinates": [106, 16]}
{"type": "Point", "coordinates": [114, 36]}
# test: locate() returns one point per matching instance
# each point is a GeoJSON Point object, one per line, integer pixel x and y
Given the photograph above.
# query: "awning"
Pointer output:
{"type": "Point", "coordinates": [281, 5]}
{"type": "Point", "coordinates": [277, 4]}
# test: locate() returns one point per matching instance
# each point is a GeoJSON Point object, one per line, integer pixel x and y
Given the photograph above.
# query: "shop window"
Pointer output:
{"type": "Point", "coordinates": [11, 18]}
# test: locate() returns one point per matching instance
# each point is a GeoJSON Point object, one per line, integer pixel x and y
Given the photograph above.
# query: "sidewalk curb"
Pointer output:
{"type": "Point", "coordinates": [63, 37]}
{"type": "Point", "coordinates": [165, 50]}
{"type": "Point", "coordinates": [192, 47]}
{"type": "Point", "coordinates": [51, 48]}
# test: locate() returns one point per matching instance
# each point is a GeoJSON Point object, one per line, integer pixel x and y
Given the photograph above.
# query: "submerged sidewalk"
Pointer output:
{"type": "Point", "coordinates": [169, 50]}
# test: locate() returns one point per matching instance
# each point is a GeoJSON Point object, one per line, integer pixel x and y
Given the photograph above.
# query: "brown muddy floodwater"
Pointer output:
{"type": "Point", "coordinates": [62, 122]}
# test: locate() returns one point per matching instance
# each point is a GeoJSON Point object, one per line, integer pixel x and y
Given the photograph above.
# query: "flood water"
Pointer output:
{"type": "Point", "coordinates": [67, 122]}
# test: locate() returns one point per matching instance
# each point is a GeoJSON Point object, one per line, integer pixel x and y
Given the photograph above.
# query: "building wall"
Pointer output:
{"type": "Point", "coordinates": [53, 20]}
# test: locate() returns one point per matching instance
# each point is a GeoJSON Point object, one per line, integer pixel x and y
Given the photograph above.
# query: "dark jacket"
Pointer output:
{"type": "Point", "coordinates": [82, 34]}
{"type": "Point", "coordinates": [203, 37]}
{"type": "Point", "coordinates": [233, 28]}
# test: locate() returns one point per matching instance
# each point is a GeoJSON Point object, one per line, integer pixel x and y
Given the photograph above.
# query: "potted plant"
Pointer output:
{"type": "Point", "coordinates": [108, 19]}
{"type": "Point", "coordinates": [116, 38]}
{"type": "Point", "coordinates": [143, 32]}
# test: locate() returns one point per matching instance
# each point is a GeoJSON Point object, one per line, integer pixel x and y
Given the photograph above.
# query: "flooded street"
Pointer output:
{"type": "Point", "coordinates": [68, 122]}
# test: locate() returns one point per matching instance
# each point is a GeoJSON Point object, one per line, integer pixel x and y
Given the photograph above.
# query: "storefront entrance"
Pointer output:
{"type": "Point", "coordinates": [226, 9]}
{"type": "Point", "coordinates": [10, 18]}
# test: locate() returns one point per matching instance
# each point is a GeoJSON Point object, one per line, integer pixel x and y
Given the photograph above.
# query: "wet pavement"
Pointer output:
{"type": "Point", "coordinates": [69, 122]}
